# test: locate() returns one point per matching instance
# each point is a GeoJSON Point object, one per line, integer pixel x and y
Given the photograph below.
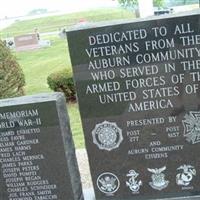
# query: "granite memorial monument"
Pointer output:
{"type": "Point", "coordinates": [139, 97]}
{"type": "Point", "coordinates": [37, 156]}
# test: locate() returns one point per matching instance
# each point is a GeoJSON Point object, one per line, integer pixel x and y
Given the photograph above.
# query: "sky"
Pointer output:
{"type": "Point", "coordinates": [10, 8]}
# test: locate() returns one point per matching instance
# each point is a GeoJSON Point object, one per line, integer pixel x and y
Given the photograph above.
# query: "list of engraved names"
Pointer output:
{"type": "Point", "coordinates": [20, 168]}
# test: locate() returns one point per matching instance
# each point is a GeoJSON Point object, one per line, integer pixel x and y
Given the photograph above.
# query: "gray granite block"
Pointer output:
{"type": "Point", "coordinates": [37, 153]}
{"type": "Point", "coordinates": [138, 90]}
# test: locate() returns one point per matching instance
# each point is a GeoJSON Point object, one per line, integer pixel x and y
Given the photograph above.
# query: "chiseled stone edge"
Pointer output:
{"type": "Point", "coordinates": [69, 147]}
{"type": "Point", "coordinates": [30, 99]}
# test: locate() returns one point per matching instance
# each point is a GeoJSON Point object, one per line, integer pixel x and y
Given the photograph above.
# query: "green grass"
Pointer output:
{"type": "Point", "coordinates": [53, 23]}
{"type": "Point", "coordinates": [38, 64]}
{"type": "Point", "coordinates": [76, 126]}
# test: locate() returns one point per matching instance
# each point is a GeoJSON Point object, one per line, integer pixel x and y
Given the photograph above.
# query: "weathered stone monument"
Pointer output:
{"type": "Point", "coordinates": [139, 97]}
{"type": "Point", "coordinates": [26, 42]}
{"type": "Point", "coordinates": [37, 157]}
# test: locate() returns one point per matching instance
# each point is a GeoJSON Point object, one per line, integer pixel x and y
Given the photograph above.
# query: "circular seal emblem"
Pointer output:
{"type": "Point", "coordinates": [108, 183]}
{"type": "Point", "coordinates": [107, 135]}
{"type": "Point", "coordinates": [191, 124]}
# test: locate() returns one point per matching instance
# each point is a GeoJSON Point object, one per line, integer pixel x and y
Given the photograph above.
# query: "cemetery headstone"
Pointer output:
{"type": "Point", "coordinates": [37, 156]}
{"type": "Point", "coordinates": [139, 97]}
{"type": "Point", "coordinates": [26, 42]}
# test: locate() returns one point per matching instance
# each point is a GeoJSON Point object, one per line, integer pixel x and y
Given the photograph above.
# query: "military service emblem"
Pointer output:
{"type": "Point", "coordinates": [108, 183]}
{"type": "Point", "coordinates": [107, 135]}
{"type": "Point", "coordinates": [158, 179]}
{"type": "Point", "coordinates": [133, 184]}
{"type": "Point", "coordinates": [186, 175]}
{"type": "Point", "coordinates": [191, 124]}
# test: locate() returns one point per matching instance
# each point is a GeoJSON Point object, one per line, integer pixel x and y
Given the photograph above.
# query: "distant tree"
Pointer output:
{"type": "Point", "coordinates": [158, 3]}
{"type": "Point", "coordinates": [38, 11]}
{"type": "Point", "coordinates": [11, 75]}
{"type": "Point", "coordinates": [134, 3]}
{"type": "Point", "coordinates": [128, 3]}
{"type": "Point", "coordinates": [170, 3]}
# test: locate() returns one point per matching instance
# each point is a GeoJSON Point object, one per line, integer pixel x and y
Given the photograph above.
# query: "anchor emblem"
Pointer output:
{"type": "Point", "coordinates": [132, 183]}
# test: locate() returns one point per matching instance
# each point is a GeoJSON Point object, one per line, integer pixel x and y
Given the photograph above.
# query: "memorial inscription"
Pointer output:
{"type": "Point", "coordinates": [138, 90]}
{"type": "Point", "coordinates": [37, 157]}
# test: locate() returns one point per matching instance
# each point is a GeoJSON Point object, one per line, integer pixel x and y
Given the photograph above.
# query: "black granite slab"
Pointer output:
{"type": "Point", "coordinates": [138, 91]}
{"type": "Point", "coordinates": [37, 156]}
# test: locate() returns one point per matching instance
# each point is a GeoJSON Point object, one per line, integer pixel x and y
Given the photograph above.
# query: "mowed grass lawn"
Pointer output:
{"type": "Point", "coordinates": [38, 64]}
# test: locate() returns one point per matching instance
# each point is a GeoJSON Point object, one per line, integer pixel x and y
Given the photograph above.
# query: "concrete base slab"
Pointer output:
{"type": "Point", "coordinates": [89, 194]}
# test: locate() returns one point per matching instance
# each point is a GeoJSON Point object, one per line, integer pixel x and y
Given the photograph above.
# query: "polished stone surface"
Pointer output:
{"type": "Point", "coordinates": [37, 153]}
{"type": "Point", "coordinates": [138, 91]}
